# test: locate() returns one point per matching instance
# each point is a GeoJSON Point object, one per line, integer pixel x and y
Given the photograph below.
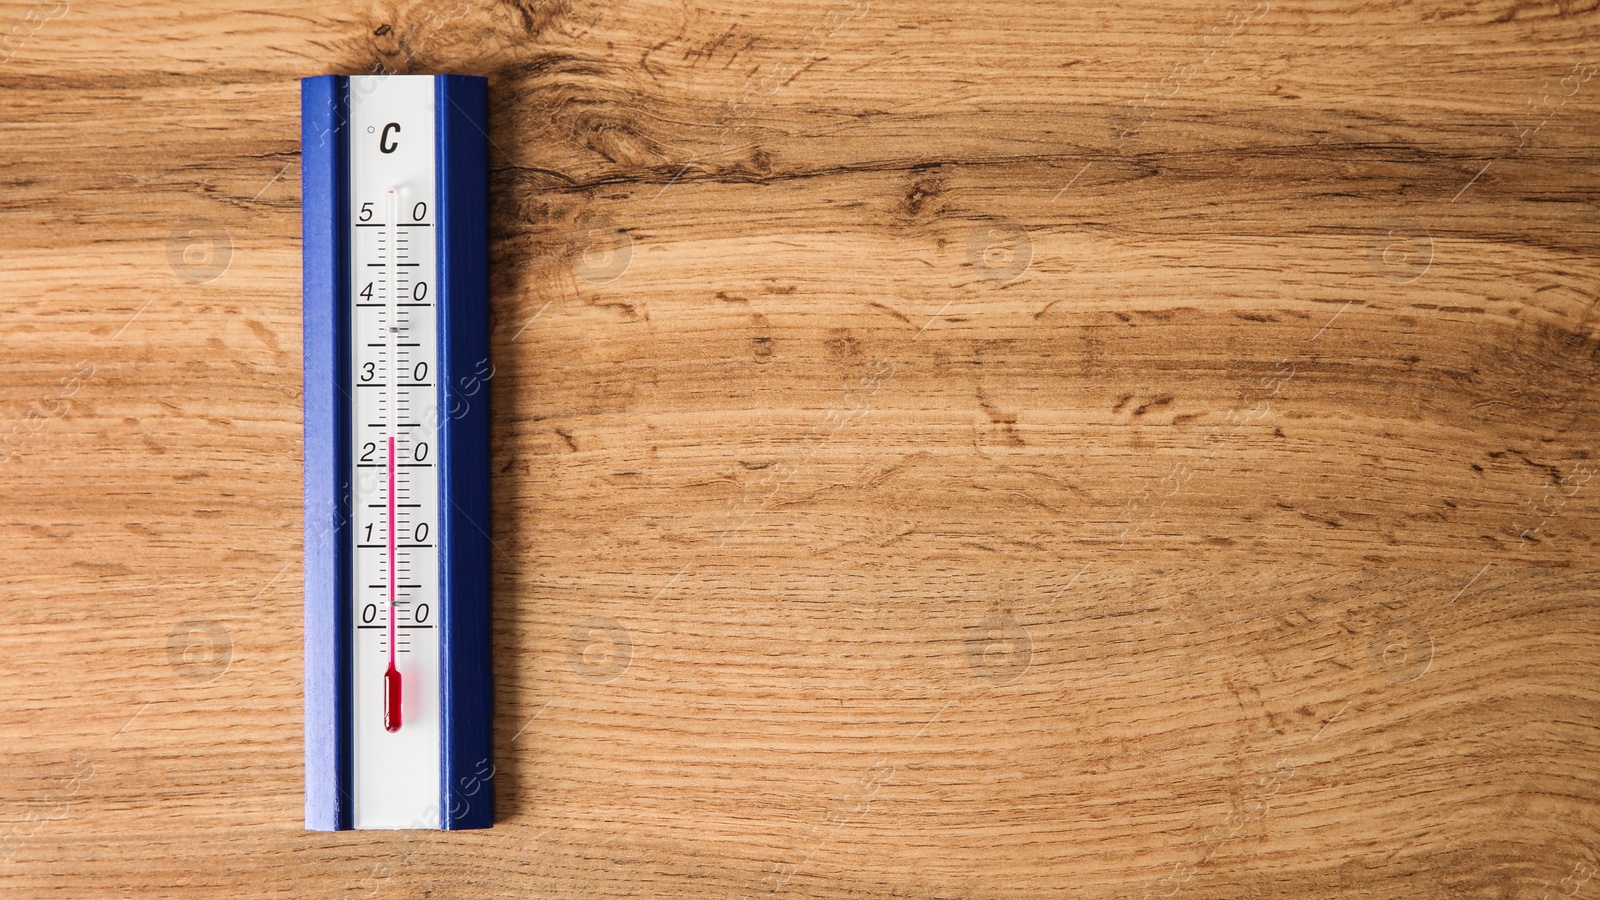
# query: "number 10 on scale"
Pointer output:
{"type": "Point", "coordinates": [398, 689]}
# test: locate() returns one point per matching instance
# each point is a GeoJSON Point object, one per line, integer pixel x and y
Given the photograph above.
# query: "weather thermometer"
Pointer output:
{"type": "Point", "coordinates": [398, 687]}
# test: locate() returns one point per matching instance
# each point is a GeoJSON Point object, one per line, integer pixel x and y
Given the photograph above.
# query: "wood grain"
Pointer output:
{"type": "Point", "coordinates": [941, 450]}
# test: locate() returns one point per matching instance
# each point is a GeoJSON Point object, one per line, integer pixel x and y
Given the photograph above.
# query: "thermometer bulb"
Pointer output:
{"type": "Point", "coordinates": [391, 699]}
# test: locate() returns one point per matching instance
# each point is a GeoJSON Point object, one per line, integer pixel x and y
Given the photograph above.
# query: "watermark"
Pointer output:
{"type": "Point", "coordinates": [383, 871]}
{"type": "Point", "coordinates": [414, 42]}
{"type": "Point", "coordinates": [851, 407]}
{"type": "Point", "coordinates": [1581, 873]}
{"type": "Point", "coordinates": [56, 807]}
{"type": "Point", "coordinates": [1400, 251]}
{"type": "Point", "coordinates": [1551, 502]}
{"type": "Point", "coordinates": [599, 650]}
{"type": "Point", "coordinates": [460, 396]}
{"type": "Point", "coordinates": [600, 250]}
{"type": "Point", "coordinates": [200, 251]}
{"type": "Point", "coordinates": [859, 795]}
{"type": "Point", "coordinates": [1251, 807]}
{"type": "Point", "coordinates": [853, 806]}
{"type": "Point", "coordinates": [53, 405]}
{"type": "Point", "coordinates": [1542, 111]}
{"type": "Point", "coordinates": [999, 649]}
{"type": "Point", "coordinates": [460, 802]}
{"type": "Point", "coordinates": [372, 482]}
{"type": "Point", "coordinates": [1000, 250]}
{"type": "Point", "coordinates": [419, 36]}
{"type": "Point", "coordinates": [200, 649]}
{"type": "Point", "coordinates": [756, 93]}
{"type": "Point", "coordinates": [1138, 510]}
{"type": "Point", "coordinates": [1141, 111]}
{"type": "Point", "coordinates": [1399, 649]}
{"type": "Point", "coordinates": [32, 21]}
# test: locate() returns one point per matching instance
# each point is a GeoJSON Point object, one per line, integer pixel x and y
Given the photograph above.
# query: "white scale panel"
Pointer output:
{"type": "Point", "coordinates": [394, 363]}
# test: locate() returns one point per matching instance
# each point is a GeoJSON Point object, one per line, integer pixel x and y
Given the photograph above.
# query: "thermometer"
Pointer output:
{"type": "Point", "coordinates": [395, 224]}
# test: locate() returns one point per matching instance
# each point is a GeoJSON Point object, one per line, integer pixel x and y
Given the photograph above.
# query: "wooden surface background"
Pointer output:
{"type": "Point", "coordinates": [955, 450]}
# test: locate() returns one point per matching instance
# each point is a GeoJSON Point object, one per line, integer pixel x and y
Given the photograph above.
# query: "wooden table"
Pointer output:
{"type": "Point", "coordinates": [941, 450]}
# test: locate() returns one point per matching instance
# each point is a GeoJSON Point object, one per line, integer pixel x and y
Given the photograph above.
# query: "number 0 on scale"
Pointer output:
{"type": "Point", "coordinates": [398, 687]}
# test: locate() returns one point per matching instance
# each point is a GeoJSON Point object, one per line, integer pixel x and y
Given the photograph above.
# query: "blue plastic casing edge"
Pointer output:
{"type": "Point", "coordinates": [325, 198]}
{"type": "Point", "coordinates": [467, 679]}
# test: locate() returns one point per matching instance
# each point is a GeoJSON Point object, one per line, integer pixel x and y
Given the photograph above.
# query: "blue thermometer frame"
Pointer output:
{"type": "Point", "coordinates": [466, 697]}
